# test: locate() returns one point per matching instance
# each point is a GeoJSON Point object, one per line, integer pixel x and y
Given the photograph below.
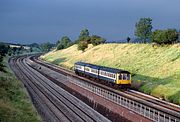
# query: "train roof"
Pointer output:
{"type": "Point", "coordinates": [80, 63]}
{"type": "Point", "coordinates": [93, 66]}
{"type": "Point", "coordinates": [88, 65]}
{"type": "Point", "coordinates": [108, 69]}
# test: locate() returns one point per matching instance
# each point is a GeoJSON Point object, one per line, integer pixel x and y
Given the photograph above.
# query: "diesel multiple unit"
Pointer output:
{"type": "Point", "coordinates": [112, 75]}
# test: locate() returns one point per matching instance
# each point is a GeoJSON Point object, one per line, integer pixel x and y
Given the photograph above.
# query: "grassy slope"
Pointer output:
{"type": "Point", "coordinates": [15, 105]}
{"type": "Point", "coordinates": [158, 68]}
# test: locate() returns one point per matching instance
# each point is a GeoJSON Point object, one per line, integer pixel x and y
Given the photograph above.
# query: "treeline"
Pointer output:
{"type": "Point", "coordinates": [144, 33]}
{"type": "Point", "coordinates": [83, 40]}
{"type": "Point", "coordinates": [44, 47]}
{"type": "Point", "coordinates": [5, 49]}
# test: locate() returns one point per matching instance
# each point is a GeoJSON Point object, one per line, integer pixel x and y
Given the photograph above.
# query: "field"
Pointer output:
{"type": "Point", "coordinates": [15, 105]}
{"type": "Point", "coordinates": [156, 70]}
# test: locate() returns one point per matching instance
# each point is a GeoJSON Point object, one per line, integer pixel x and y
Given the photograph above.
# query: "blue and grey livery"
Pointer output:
{"type": "Point", "coordinates": [116, 76]}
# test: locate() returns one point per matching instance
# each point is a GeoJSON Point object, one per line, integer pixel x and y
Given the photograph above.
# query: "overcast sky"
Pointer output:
{"type": "Point", "coordinates": [28, 21]}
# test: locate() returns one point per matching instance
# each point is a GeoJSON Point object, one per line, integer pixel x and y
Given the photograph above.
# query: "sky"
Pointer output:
{"type": "Point", "coordinates": [39, 21]}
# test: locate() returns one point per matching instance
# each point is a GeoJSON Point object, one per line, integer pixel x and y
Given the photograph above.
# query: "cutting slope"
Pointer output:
{"type": "Point", "coordinates": [156, 68]}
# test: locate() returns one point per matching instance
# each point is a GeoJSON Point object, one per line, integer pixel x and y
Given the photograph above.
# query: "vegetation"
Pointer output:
{"type": "Point", "coordinates": [84, 34]}
{"type": "Point", "coordinates": [155, 68]}
{"type": "Point", "coordinates": [35, 47]}
{"type": "Point", "coordinates": [128, 39]}
{"type": "Point", "coordinates": [65, 42]}
{"type": "Point", "coordinates": [168, 36]}
{"type": "Point", "coordinates": [3, 51]}
{"type": "Point", "coordinates": [96, 40]}
{"type": "Point", "coordinates": [143, 29]}
{"type": "Point", "coordinates": [179, 35]}
{"type": "Point", "coordinates": [85, 39]}
{"type": "Point", "coordinates": [82, 45]}
{"type": "Point", "coordinates": [15, 105]}
{"type": "Point", "coordinates": [46, 46]}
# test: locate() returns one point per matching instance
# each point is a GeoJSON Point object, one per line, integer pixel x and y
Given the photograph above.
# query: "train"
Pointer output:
{"type": "Point", "coordinates": [117, 77]}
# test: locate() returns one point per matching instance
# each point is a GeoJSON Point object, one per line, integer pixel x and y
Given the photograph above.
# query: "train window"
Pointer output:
{"type": "Point", "coordinates": [120, 76]}
{"type": "Point", "coordinates": [94, 70]}
{"type": "Point", "coordinates": [124, 76]}
{"type": "Point", "coordinates": [128, 76]}
{"type": "Point", "coordinates": [87, 69]}
{"type": "Point", "coordinates": [78, 67]}
{"type": "Point", "coordinates": [103, 73]}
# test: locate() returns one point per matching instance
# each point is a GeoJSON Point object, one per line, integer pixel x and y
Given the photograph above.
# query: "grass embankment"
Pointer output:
{"type": "Point", "coordinates": [156, 68]}
{"type": "Point", "coordinates": [15, 105]}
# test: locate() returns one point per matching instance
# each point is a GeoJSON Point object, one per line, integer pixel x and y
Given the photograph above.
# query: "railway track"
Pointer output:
{"type": "Point", "coordinates": [60, 105]}
{"type": "Point", "coordinates": [141, 104]}
{"type": "Point", "coordinates": [154, 100]}
{"type": "Point", "coordinates": [37, 97]}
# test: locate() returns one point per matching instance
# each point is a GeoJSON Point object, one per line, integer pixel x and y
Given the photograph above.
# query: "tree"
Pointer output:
{"type": "Point", "coordinates": [82, 45]}
{"type": "Point", "coordinates": [34, 45]}
{"type": "Point", "coordinates": [31, 49]}
{"type": "Point", "coordinates": [65, 42]}
{"type": "Point", "coordinates": [179, 36]}
{"type": "Point", "coordinates": [96, 40]}
{"type": "Point", "coordinates": [14, 50]}
{"type": "Point", "coordinates": [19, 50]}
{"type": "Point", "coordinates": [168, 36]}
{"type": "Point", "coordinates": [83, 35]}
{"type": "Point", "coordinates": [128, 39]}
{"type": "Point", "coordinates": [84, 39]}
{"type": "Point", "coordinates": [9, 50]}
{"type": "Point", "coordinates": [46, 46]}
{"type": "Point", "coordinates": [3, 51]}
{"type": "Point", "coordinates": [143, 29]}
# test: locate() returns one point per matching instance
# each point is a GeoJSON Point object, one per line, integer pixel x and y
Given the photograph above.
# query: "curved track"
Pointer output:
{"type": "Point", "coordinates": [55, 104]}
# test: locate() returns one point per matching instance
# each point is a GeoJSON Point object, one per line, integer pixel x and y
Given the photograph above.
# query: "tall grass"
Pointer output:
{"type": "Point", "coordinates": [156, 68]}
{"type": "Point", "coordinates": [15, 105]}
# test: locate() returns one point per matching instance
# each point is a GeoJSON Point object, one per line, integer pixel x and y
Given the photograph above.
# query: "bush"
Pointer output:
{"type": "Point", "coordinates": [96, 40]}
{"type": "Point", "coordinates": [168, 36]}
{"type": "Point", "coordinates": [82, 45]}
{"type": "Point", "coordinates": [65, 42]}
{"type": "Point", "coordinates": [84, 39]}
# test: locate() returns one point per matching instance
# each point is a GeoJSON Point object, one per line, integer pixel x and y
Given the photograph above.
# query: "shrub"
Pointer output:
{"type": "Point", "coordinates": [82, 45]}
{"type": "Point", "coordinates": [65, 42]}
{"type": "Point", "coordinates": [168, 36]}
{"type": "Point", "coordinates": [96, 40]}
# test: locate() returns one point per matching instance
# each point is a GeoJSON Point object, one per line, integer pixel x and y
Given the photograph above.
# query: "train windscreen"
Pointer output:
{"type": "Point", "coordinates": [124, 76]}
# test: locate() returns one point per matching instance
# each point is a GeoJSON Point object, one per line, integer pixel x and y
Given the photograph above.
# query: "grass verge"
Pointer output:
{"type": "Point", "coordinates": [15, 105]}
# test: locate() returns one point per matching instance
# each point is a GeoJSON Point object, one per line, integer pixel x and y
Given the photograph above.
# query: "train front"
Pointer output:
{"type": "Point", "coordinates": [124, 79]}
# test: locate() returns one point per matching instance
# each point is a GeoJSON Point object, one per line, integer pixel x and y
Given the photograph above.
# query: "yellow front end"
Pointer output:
{"type": "Point", "coordinates": [121, 81]}
{"type": "Point", "coordinates": [124, 81]}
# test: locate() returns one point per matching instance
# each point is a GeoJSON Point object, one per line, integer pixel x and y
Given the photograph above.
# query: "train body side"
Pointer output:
{"type": "Point", "coordinates": [115, 76]}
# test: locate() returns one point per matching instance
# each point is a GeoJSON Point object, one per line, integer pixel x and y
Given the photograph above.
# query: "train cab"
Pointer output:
{"type": "Point", "coordinates": [123, 78]}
